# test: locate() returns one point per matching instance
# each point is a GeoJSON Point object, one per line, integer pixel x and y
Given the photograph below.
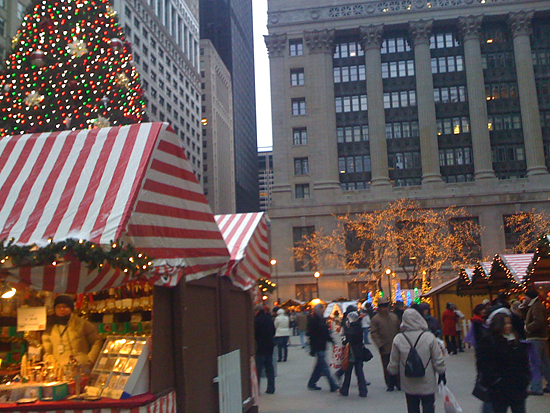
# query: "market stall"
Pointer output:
{"type": "Point", "coordinates": [105, 214]}
{"type": "Point", "coordinates": [475, 281]}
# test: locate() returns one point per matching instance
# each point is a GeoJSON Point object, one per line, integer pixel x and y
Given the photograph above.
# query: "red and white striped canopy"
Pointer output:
{"type": "Point", "coordinates": [247, 241]}
{"type": "Point", "coordinates": [132, 183]}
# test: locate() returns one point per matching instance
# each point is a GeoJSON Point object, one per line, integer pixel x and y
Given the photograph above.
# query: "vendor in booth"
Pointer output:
{"type": "Point", "coordinates": [69, 335]}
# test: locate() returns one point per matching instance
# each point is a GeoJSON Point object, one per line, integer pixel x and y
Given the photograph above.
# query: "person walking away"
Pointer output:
{"type": "Point", "coordinates": [264, 331]}
{"type": "Point", "coordinates": [399, 309]}
{"type": "Point", "coordinates": [418, 390]}
{"type": "Point", "coordinates": [459, 320]}
{"type": "Point", "coordinates": [292, 318]}
{"type": "Point", "coordinates": [384, 326]}
{"type": "Point", "coordinates": [517, 319]}
{"type": "Point", "coordinates": [319, 335]}
{"type": "Point", "coordinates": [282, 334]}
{"type": "Point", "coordinates": [353, 335]}
{"type": "Point", "coordinates": [536, 332]}
{"type": "Point", "coordinates": [503, 364]}
{"type": "Point", "coordinates": [365, 325]}
{"type": "Point", "coordinates": [433, 323]}
{"type": "Point", "coordinates": [477, 324]}
{"type": "Point", "coordinates": [301, 323]}
{"type": "Point", "coordinates": [448, 320]}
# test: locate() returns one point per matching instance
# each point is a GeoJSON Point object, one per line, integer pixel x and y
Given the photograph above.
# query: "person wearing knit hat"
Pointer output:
{"type": "Point", "coordinates": [69, 336]}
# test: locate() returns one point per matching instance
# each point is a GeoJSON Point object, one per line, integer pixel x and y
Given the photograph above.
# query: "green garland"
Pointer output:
{"type": "Point", "coordinates": [120, 256]}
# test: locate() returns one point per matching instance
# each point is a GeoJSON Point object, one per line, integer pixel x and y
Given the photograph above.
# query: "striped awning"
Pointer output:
{"type": "Point", "coordinates": [517, 264]}
{"type": "Point", "coordinates": [247, 241]}
{"type": "Point", "coordinates": [132, 183]}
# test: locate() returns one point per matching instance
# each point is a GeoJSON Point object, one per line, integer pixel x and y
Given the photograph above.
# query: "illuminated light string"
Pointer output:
{"type": "Point", "coordinates": [73, 53]}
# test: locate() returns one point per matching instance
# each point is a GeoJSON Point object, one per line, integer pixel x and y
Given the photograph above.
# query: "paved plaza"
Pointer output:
{"type": "Point", "coordinates": [292, 396]}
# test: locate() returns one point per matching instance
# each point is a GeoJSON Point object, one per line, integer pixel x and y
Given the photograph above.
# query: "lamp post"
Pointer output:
{"type": "Point", "coordinates": [317, 274]}
{"type": "Point", "coordinates": [273, 263]}
{"type": "Point", "coordinates": [388, 273]}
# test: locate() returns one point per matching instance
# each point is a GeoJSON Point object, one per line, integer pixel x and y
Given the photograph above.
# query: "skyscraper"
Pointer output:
{"type": "Point", "coordinates": [446, 103]}
{"type": "Point", "coordinates": [11, 14]}
{"type": "Point", "coordinates": [228, 25]}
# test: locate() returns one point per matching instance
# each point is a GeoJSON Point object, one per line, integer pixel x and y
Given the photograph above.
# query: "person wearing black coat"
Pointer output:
{"type": "Point", "coordinates": [264, 331]}
{"type": "Point", "coordinates": [319, 335]}
{"type": "Point", "coordinates": [503, 365]}
{"type": "Point", "coordinates": [354, 337]}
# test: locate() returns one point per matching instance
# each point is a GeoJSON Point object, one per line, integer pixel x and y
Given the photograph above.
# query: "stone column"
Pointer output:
{"type": "Point", "coordinates": [481, 144]}
{"type": "Point", "coordinates": [320, 109]}
{"type": "Point", "coordinates": [276, 46]}
{"type": "Point", "coordinates": [520, 24]}
{"type": "Point", "coordinates": [371, 37]}
{"type": "Point", "coordinates": [420, 32]}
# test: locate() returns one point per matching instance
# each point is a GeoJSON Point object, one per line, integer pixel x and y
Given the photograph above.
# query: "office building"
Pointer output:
{"type": "Point", "coordinates": [11, 15]}
{"type": "Point", "coordinates": [265, 177]}
{"type": "Point", "coordinates": [446, 103]}
{"type": "Point", "coordinates": [217, 131]}
{"type": "Point", "coordinates": [228, 25]}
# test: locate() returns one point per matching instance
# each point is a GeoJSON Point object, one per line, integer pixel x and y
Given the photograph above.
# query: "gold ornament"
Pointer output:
{"type": "Point", "coordinates": [15, 40]}
{"type": "Point", "coordinates": [123, 81]}
{"type": "Point", "coordinates": [111, 12]}
{"type": "Point", "coordinates": [100, 122]}
{"type": "Point", "coordinates": [33, 98]}
{"type": "Point", "coordinates": [77, 48]}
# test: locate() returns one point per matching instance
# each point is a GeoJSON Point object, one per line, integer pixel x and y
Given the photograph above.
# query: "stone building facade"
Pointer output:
{"type": "Point", "coordinates": [444, 102]}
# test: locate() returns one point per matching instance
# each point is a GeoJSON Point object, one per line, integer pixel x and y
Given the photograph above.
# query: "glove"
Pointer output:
{"type": "Point", "coordinates": [442, 379]}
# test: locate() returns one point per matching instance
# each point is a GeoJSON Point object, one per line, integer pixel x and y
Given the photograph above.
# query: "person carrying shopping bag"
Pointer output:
{"type": "Point", "coordinates": [420, 384]}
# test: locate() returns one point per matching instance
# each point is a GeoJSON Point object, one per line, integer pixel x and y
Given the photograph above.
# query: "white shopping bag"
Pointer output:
{"type": "Point", "coordinates": [449, 400]}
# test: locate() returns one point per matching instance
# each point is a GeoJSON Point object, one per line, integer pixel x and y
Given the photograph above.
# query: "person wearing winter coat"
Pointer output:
{"type": "Point", "coordinates": [301, 322]}
{"type": "Point", "coordinates": [319, 335]}
{"type": "Point", "coordinates": [503, 364]}
{"type": "Point", "coordinates": [264, 330]}
{"type": "Point", "coordinates": [449, 320]}
{"type": "Point", "coordinates": [282, 334]}
{"type": "Point", "coordinates": [353, 335]}
{"type": "Point", "coordinates": [365, 324]}
{"type": "Point", "coordinates": [418, 390]}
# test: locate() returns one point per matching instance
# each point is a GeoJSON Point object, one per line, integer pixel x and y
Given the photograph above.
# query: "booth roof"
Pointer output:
{"type": "Point", "coordinates": [132, 183]}
{"type": "Point", "coordinates": [247, 241]}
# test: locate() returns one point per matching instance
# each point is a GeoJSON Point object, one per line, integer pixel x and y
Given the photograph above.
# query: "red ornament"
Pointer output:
{"type": "Point", "coordinates": [116, 44]}
{"type": "Point", "coordinates": [38, 58]}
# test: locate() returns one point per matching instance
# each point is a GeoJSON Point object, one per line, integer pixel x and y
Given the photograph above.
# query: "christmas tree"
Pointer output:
{"type": "Point", "coordinates": [69, 68]}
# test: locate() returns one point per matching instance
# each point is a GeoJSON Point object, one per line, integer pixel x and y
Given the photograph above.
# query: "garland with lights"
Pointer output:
{"type": "Point", "coordinates": [120, 256]}
{"type": "Point", "coordinates": [69, 68]}
{"type": "Point", "coordinates": [266, 286]}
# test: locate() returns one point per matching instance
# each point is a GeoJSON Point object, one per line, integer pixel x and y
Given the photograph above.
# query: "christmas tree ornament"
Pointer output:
{"type": "Point", "coordinates": [67, 121]}
{"type": "Point", "coordinates": [105, 101]}
{"type": "Point", "coordinates": [38, 58]}
{"type": "Point", "coordinates": [116, 44]}
{"type": "Point", "coordinates": [123, 80]}
{"type": "Point", "coordinates": [77, 48]}
{"type": "Point", "coordinates": [33, 98]}
{"type": "Point", "coordinates": [101, 122]}
{"type": "Point", "coordinates": [15, 40]}
{"type": "Point", "coordinates": [111, 12]}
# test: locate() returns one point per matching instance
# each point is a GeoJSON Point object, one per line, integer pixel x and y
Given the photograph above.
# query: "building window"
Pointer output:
{"type": "Point", "coordinates": [352, 164]}
{"type": "Point", "coordinates": [401, 68]}
{"type": "Point", "coordinates": [447, 64]}
{"type": "Point", "coordinates": [504, 122]}
{"type": "Point", "coordinates": [301, 166]}
{"type": "Point", "coordinates": [301, 191]}
{"type": "Point", "coordinates": [507, 153]}
{"type": "Point", "coordinates": [296, 47]}
{"type": "Point", "coordinates": [400, 99]}
{"type": "Point", "coordinates": [352, 73]}
{"type": "Point", "coordinates": [395, 45]}
{"type": "Point", "coordinates": [21, 11]}
{"type": "Point", "coordinates": [354, 103]}
{"type": "Point", "coordinates": [501, 91]}
{"type": "Point", "coordinates": [404, 160]}
{"type": "Point", "coordinates": [455, 156]}
{"type": "Point", "coordinates": [306, 292]}
{"type": "Point", "coordinates": [453, 126]}
{"type": "Point", "coordinates": [361, 289]}
{"type": "Point", "coordinates": [299, 136]}
{"type": "Point", "coordinates": [298, 106]}
{"type": "Point", "coordinates": [398, 130]}
{"type": "Point", "coordinates": [444, 41]}
{"type": "Point", "coordinates": [451, 94]}
{"type": "Point", "coordinates": [297, 77]}
{"type": "Point", "coordinates": [298, 235]}
{"type": "Point", "coordinates": [2, 27]}
{"type": "Point", "coordinates": [354, 133]}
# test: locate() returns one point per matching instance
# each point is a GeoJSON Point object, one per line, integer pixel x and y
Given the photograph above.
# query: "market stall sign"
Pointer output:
{"type": "Point", "coordinates": [31, 319]}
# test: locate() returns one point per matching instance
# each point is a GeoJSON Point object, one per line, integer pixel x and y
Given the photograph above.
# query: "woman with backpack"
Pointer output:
{"type": "Point", "coordinates": [417, 357]}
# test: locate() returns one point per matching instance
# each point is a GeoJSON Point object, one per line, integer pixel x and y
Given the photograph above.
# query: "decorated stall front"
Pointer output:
{"type": "Point", "coordinates": [103, 214]}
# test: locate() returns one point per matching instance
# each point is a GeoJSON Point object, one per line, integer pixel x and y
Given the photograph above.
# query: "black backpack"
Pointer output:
{"type": "Point", "coordinates": [414, 367]}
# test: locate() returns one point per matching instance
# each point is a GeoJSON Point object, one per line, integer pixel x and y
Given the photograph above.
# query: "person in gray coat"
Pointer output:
{"type": "Point", "coordinates": [417, 389]}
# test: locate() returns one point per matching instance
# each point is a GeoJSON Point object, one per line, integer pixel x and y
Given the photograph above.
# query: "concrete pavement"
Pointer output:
{"type": "Point", "coordinates": [292, 396]}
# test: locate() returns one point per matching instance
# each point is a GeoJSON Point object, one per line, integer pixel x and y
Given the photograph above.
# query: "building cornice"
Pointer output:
{"type": "Point", "coordinates": [396, 8]}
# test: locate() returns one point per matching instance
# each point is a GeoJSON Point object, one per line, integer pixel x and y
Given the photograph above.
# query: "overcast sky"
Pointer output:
{"type": "Point", "coordinates": [263, 93]}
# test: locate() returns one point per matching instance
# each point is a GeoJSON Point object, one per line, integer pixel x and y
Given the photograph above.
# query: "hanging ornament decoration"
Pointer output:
{"type": "Point", "coordinates": [116, 44]}
{"type": "Point", "coordinates": [15, 40]}
{"type": "Point", "coordinates": [100, 122]}
{"type": "Point", "coordinates": [104, 101]}
{"type": "Point", "coordinates": [38, 58]}
{"type": "Point", "coordinates": [77, 48]}
{"type": "Point", "coordinates": [123, 80]}
{"type": "Point", "coordinates": [33, 98]}
{"type": "Point", "coordinates": [111, 12]}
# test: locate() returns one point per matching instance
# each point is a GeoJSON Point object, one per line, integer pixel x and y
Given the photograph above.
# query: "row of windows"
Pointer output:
{"type": "Point", "coordinates": [444, 40]}
{"type": "Point", "coordinates": [348, 49]}
{"type": "Point", "coordinates": [352, 164]}
{"type": "Point", "coordinates": [455, 156]}
{"type": "Point", "coordinates": [352, 186]}
{"type": "Point", "coordinates": [507, 153]}
{"type": "Point", "coordinates": [453, 126]}
{"type": "Point", "coordinates": [504, 122]}
{"type": "Point", "coordinates": [301, 166]}
{"type": "Point", "coordinates": [498, 60]}
{"type": "Point", "coordinates": [395, 45]}
{"type": "Point", "coordinates": [404, 160]}
{"type": "Point", "coordinates": [355, 103]}
{"type": "Point", "coordinates": [407, 182]}
{"type": "Point", "coordinates": [400, 68]}
{"type": "Point", "coordinates": [400, 99]}
{"type": "Point", "coordinates": [451, 179]}
{"type": "Point", "coordinates": [398, 130]}
{"type": "Point", "coordinates": [351, 73]}
{"type": "Point", "coordinates": [501, 91]}
{"type": "Point", "coordinates": [450, 94]}
{"type": "Point", "coordinates": [541, 57]}
{"type": "Point", "coordinates": [355, 133]}
{"type": "Point", "coordinates": [447, 64]}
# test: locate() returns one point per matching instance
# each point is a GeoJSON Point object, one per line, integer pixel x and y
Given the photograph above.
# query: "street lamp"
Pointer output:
{"type": "Point", "coordinates": [273, 263]}
{"type": "Point", "coordinates": [317, 274]}
{"type": "Point", "coordinates": [388, 273]}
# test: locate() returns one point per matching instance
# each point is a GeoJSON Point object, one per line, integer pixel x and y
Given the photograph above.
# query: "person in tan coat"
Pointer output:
{"type": "Point", "coordinates": [69, 335]}
{"type": "Point", "coordinates": [383, 328]}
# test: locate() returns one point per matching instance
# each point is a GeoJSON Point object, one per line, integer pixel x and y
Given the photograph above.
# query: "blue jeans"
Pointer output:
{"type": "Point", "coordinates": [321, 369]}
{"type": "Point", "coordinates": [540, 365]}
{"type": "Point", "coordinates": [303, 338]}
{"type": "Point", "coordinates": [267, 362]}
{"type": "Point", "coordinates": [282, 346]}
{"type": "Point", "coordinates": [366, 335]}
